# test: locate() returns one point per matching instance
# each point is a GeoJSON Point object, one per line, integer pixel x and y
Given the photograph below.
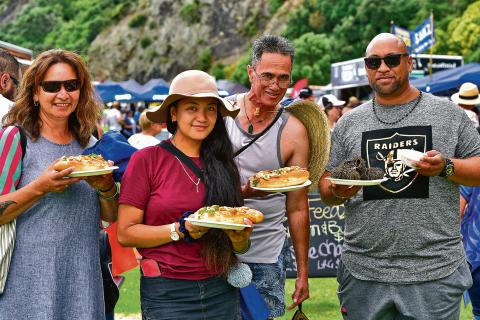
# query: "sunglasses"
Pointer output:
{"type": "Point", "coordinates": [14, 80]}
{"type": "Point", "coordinates": [55, 86]}
{"type": "Point", "coordinates": [392, 61]}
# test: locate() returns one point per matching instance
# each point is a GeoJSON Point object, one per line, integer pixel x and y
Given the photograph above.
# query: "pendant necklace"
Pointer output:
{"type": "Point", "coordinates": [397, 121]}
{"type": "Point", "coordinates": [256, 114]}
{"type": "Point", "coordinates": [185, 170]}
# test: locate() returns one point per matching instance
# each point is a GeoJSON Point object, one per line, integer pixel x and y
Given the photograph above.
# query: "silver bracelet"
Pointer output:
{"type": "Point", "coordinates": [114, 196]}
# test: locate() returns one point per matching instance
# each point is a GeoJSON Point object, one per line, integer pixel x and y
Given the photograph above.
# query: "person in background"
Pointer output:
{"type": "Point", "coordinates": [269, 73]}
{"type": "Point", "coordinates": [467, 98]}
{"type": "Point", "coordinates": [129, 127]}
{"type": "Point", "coordinates": [146, 137]}
{"type": "Point", "coordinates": [184, 265]}
{"type": "Point", "coordinates": [470, 227]}
{"type": "Point", "coordinates": [403, 256]}
{"type": "Point", "coordinates": [352, 103]}
{"type": "Point", "coordinates": [306, 94]}
{"type": "Point", "coordinates": [332, 107]}
{"type": "Point", "coordinates": [55, 267]}
{"type": "Point", "coordinates": [113, 117]}
{"type": "Point", "coordinates": [138, 112]}
{"type": "Point", "coordinates": [9, 81]}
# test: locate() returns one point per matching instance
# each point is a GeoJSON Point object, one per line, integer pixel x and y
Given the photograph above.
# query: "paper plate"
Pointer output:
{"type": "Point", "coordinates": [217, 225]}
{"type": "Point", "coordinates": [284, 189]}
{"type": "Point", "coordinates": [88, 173]}
{"type": "Point", "coordinates": [346, 182]}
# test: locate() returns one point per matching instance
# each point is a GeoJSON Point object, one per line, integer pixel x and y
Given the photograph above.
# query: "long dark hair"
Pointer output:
{"type": "Point", "coordinates": [222, 186]}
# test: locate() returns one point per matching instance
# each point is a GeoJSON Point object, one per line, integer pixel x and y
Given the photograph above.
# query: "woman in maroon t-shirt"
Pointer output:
{"type": "Point", "coordinates": [183, 273]}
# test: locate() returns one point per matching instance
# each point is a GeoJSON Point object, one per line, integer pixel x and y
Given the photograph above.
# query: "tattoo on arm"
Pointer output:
{"type": "Point", "coordinates": [4, 205]}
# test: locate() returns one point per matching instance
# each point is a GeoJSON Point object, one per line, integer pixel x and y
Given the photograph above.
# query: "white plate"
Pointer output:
{"type": "Point", "coordinates": [88, 173]}
{"type": "Point", "coordinates": [346, 182]}
{"type": "Point", "coordinates": [215, 224]}
{"type": "Point", "coordinates": [409, 155]}
{"type": "Point", "coordinates": [284, 189]}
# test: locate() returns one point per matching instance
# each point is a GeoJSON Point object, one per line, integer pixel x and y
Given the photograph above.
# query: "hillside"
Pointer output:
{"type": "Point", "coordinates": [142, 39]}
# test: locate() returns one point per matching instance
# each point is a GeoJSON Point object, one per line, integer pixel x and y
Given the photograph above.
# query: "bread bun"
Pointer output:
{"type": "Point", "coordinates": [283, 177]}
{"type": "Point", "coordinates": [81, 163]}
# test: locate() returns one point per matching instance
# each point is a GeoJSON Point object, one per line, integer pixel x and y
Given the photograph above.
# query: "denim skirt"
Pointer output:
{"type": "Point", "coordinates": [213, 298]}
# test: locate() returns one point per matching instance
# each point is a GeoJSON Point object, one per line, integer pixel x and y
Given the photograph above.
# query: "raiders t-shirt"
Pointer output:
{"type": "Point", "coordinates": [407, 229]}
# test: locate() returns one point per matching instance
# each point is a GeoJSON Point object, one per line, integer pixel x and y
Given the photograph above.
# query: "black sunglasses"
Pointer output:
{"type": "Point", "coordinates": [14, 80]}
{"type": "Point", "coordinates": [392, 60]}
{"type": "Point", "coordinates": [55, 86]}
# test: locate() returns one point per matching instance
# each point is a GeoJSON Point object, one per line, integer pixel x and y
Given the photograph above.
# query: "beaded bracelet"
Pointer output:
{"type": "Point", "coordinates": [114, 196]}
{"type": "Point", "coordinates": [249, 243]}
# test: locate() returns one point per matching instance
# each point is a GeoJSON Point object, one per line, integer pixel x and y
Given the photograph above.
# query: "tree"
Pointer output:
{"type": "Point", "coordinates": [313, 55]}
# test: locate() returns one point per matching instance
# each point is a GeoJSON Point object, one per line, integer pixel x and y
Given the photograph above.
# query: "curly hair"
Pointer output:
{"type": "Point", "coordinates": [81, 122]}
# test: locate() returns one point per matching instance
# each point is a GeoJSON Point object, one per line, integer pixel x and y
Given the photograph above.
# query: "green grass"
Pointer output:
{"type": "Point", "coordinates": [323, 302]}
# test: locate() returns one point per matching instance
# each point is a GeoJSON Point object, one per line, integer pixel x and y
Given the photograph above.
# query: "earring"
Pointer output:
{"type": "Point", "coordinates": [36, 103]}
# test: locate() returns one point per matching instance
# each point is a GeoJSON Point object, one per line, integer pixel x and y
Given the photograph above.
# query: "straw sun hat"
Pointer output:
{"type": "Point", "coordinates": [191, 83]}
{"type": "Point", "coordinates": [468, 94]}
{"type": "Point", "coordinates": [315, 121]}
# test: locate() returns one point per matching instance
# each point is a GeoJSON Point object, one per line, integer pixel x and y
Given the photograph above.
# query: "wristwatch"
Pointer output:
{"type": "Point", "coordinates": [173, 233]}
{"type": "Point", "coordinates": [448, 170]}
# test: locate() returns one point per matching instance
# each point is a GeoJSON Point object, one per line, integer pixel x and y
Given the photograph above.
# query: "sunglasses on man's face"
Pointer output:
{"type": "Point", "coordinates": [392, 61]}
{"type": "Point", "coordinates": [56, 86]}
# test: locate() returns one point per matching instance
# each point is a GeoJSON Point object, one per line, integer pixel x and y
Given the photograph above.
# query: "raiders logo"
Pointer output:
{"type": "Point", "coordinates": [379, 149]}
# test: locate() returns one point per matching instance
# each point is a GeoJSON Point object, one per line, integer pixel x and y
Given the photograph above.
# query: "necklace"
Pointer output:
{"type": "Point", "coordinates": [397, 121]}
{"type": "Point", "coordinates": [185, 170]}
{"type": "Point", "coordinates": [256, 114]}
{"type": "Point", "coordinates": [250, 127]}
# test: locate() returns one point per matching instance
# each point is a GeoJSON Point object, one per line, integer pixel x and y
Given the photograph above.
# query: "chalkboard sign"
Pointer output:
{"type": "Point", "coordinates": [327, 225]}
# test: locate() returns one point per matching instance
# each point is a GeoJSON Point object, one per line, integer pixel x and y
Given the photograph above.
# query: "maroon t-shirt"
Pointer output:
{"type": "Point", "coordinates": [156, 183]}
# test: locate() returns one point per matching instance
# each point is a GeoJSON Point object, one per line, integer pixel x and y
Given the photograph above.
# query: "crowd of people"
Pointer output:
{"type": "Point", "coordinates": [403, 256]}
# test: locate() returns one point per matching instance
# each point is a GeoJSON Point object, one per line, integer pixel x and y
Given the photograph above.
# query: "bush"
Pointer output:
{"type": "Point", "coordinates": [138, 21]}
{"type": "Point", "coordinates": [204, 60]}
{"type": "Point", "coordinates": [275, 5]}
{"type": "Point", "coordinates": [190, 12]}
{"type": "Point", "coordinates": [218, 70]}
{"type": "Point", "coordinates": [145, 42]}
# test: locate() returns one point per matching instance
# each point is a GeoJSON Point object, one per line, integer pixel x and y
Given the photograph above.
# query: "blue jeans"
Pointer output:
{"type": "Point", "coordinates": [163, 298]}
{"type": "Point", "coordinates": [269, 279]}
{"type": "Point", "coordinates": [474, 292]}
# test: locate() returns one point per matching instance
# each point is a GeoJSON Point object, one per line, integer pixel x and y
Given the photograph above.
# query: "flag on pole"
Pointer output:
{"type": "Point", "coordinates": [423, 37]}
{"type": "Point", "coordinates": [418, 40]}
{"type": "Point", "coordinates": [403, 34]}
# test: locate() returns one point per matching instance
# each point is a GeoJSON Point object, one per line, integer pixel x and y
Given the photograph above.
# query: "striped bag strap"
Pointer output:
{"type": "Point", "coordinates": [11, 155]}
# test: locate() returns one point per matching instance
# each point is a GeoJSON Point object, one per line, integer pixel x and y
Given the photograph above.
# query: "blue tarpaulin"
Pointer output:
{"type": "Point", "coordinates": [447, 82]}
{"type": "Point", "coordinates": [155, 90]}
{"type": "Point", "coordinates": [112, 91]}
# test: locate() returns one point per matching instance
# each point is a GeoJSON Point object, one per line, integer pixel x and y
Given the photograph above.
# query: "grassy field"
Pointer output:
{"type": "Point", "coordinates": [322, 305]}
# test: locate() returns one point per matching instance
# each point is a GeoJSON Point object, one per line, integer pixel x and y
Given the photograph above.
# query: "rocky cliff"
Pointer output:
{"type": "Point", "coordinates": [145, 39]}
{"type": "Point", "coordinates": [162, 37]}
